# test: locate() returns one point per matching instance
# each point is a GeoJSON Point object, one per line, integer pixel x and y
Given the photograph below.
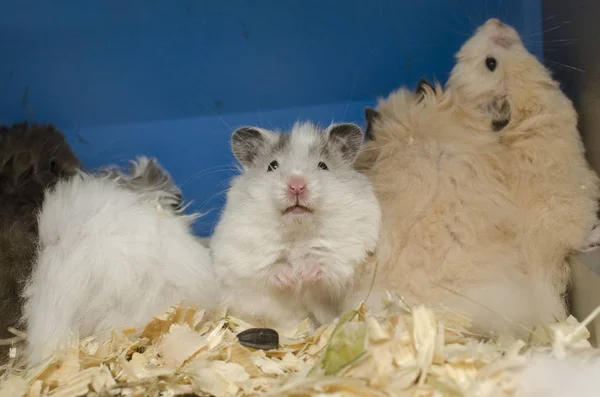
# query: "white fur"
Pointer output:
{"type": "Point", "coordinates": [109, 257]}
{"type": "Point", "coordinates": [545, 376]}
{"type": "Point", "coordinates": [253, 239]}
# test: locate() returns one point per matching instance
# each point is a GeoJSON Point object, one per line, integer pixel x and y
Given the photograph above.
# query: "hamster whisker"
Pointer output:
{"type": "Point", "coordinates": [212, 197]}
{"type": "Point", "coordinates": [208, 171]}
{"type": "Point", "coordinates": [473, 24]}
{"type": "Point", "coordinates": [565, 66]}
{"type": "Point", "coordinates": [558, 26]}
{"type": "Point", "coordinates": [461, 25]}
{"type": "Point", "coordinates": [219, 117]}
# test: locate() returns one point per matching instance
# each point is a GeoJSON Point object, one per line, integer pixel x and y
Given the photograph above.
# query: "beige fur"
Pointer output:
{"type": "Point", "coordinates": [472, 212]}
{"type": "Point", "coordinates": [554, 187]}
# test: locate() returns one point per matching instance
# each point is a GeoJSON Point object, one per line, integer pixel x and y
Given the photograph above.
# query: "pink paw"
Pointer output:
{"type": "Point", "coordinates": [283, 277]}
{"type": "Point", "coordinates": [311, 273]}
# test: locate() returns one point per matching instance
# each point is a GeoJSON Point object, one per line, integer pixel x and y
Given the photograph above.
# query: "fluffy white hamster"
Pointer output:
{"type": "Point", "coordinates": [110, 256]}
{"type": "Point", "coordinates": [298, 222]}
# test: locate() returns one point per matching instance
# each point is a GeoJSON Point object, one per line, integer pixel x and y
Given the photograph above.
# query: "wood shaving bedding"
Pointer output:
{"type": "Point", "coordinates": [188, 351]}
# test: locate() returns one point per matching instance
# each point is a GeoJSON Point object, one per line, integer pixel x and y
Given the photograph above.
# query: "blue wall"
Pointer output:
{"type": "Point", "coordinates": [171, 78]}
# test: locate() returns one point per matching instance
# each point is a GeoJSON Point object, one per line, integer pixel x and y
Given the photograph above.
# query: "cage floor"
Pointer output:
{"type": "Point", "coordinates": [187, 351]}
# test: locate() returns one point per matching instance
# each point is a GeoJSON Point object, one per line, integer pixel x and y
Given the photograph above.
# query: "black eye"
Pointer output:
{"type": "Point", "coordinates": [273, 166]}
{"type": "Point", "coordinates": [54, 167]}
{"type": "Point", "coordinates": [491, 63]}
{"type": "Point", "coordinates": [323, 166]}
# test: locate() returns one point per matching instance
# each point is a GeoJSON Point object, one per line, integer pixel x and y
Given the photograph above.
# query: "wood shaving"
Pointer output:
{"type": "Point", "coordinates": [187, 351]}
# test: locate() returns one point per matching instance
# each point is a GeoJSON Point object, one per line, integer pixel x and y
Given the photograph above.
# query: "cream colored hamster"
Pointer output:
{"type": "Point", "coordinates": [535, 123]}
{"type": "Point", "coordinates": [110, 256]}
{"type": "Point", "coordinates": [298, 222]}
{"type": "Point", "coordinates": [449, 224]}
{"type": "Point", "coordinates": [484, 188]}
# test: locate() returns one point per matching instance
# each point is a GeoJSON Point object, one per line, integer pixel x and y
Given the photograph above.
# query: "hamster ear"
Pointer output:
{"type": "Point", "coordinates": [246, 144]}
{"type": "Point", "coordinates": [346, 138]}
{"type": "Point", "coordinates": [370, 116]}
{"type": "Point", "coordinates": [421, 86]}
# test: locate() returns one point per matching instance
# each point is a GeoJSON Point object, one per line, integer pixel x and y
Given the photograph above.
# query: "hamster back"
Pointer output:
{"type": "Point", "coordinates": [32, 159]}
{"type": "Point", "coordinates": [109, 256]}
{"type": "Point", "coordinates": [146, 174]}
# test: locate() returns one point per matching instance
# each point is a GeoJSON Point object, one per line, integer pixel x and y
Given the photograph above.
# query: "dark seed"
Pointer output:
{"type": "Point", "coordinates": [259, 338]}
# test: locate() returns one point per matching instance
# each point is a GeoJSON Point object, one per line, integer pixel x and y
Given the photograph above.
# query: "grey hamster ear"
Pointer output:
{"type": "Point", "coordinates": [370, 116]}
{"type": "Point", "coordinates": [246, 144]}
{"type": "Point", "coordinates": [421, 90]}
{"type": "Point", "coordinates": [347, 138]}
{"type": "Point", "coordinates": [421, 86]}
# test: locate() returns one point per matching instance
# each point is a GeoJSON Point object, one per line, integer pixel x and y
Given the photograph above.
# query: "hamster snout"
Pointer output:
{"type": "Point", "coordinates": [296, 188]}
{"type": "Point", "coordinates": [496, 22]}
{"type": "Point", "coordinates": [500, 33]}
{"type": "Point", "coordinates": [297, 196]}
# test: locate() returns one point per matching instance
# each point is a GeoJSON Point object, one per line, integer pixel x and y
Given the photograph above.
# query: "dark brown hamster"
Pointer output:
{"type": "Point", "coordinates": [32, 159]}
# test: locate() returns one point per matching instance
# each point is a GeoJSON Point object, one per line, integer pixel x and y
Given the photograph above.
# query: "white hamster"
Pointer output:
{"type": "Point", "coordinates": [110, 256]}
{"type": "Point", "coordinates": [298, 222]}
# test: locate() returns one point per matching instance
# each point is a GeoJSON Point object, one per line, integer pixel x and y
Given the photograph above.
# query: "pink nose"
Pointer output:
{"type": "Point", "coordinates": [297, 185]}
{"type": "Point", "coordinates": [497, 22]}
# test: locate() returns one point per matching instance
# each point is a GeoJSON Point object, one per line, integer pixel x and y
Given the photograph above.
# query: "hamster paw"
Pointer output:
{"type": "Point", "coordinates": [283, 277]}
{"type": "Point", "coordinates": [592, 241]}
{"type": "Point", "coordinates": [311, 273]}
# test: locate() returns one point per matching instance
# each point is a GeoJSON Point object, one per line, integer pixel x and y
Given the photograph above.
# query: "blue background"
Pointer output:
{"type": "Point", "coordinates": [172, 78]}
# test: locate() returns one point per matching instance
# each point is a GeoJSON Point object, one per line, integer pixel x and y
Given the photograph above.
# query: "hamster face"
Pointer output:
{"type": "Point", "coordinates": [495, 72]}
{"type": "Point", "coordinates": [296, 176]}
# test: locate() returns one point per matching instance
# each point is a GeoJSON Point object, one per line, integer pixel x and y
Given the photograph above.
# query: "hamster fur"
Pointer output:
{"type": "Point", "coordinates": [32, 158]}
{"type": "Point", "coordinates": [556, 190]}
{"type": "Point", "coordinates": [546, 376]}
{"type": "Point", "coordinates": [110, 257]}
{"type": "Point", "coordinates": [147, 174]}
{"type": "Point", "coordinates": [279, 264]}
{"type": "Point", "coordinates": [449, 223]}
{"type": "Point", "coordinates": [505, 130]}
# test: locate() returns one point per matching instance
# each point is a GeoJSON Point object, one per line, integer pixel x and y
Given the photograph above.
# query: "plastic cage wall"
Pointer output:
{"type": "Point", "coordinates": [171, 79]}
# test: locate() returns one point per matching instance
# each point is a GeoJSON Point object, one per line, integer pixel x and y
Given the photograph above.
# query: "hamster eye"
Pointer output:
{"type": "Point", "coordinates": [491, 63]}
{"type": "Point", "coordinates": [273, 166]}
{"type": "Point", "coordinates": [323, 166]}
{"type": "Point", "coordinates": [54, 167]}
